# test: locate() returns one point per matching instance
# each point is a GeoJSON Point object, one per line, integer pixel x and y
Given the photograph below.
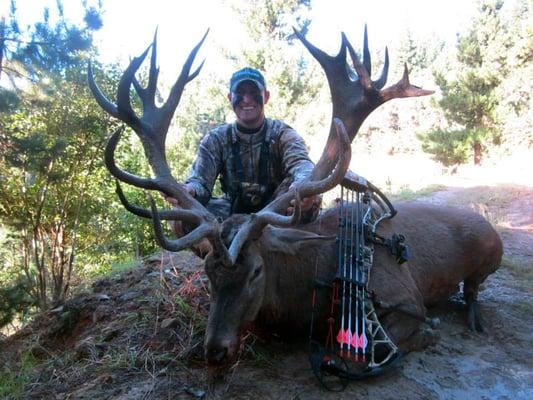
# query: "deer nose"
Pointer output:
{"type": "Point", "coordinates": [216, 354]}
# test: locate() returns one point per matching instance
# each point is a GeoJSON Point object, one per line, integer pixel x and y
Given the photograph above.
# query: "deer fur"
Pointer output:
{"type": "Point", "coordinates": [448, 246]}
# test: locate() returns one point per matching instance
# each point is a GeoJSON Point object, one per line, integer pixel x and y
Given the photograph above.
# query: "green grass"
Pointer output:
{"type": "Point", "coordinates": [119, 267]}
{"type": "Point", "coordinates": [406, 193]}
{"type": "Point", "coordinates": [13, 379]}
{"type": "Point", "coordinates": [109, 268]}
{"type": "Point", "coordinates": [185, 310]}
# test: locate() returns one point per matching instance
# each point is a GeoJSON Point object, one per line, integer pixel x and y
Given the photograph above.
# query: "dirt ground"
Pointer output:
{"type": "Point", "coordinates": [131, 339]}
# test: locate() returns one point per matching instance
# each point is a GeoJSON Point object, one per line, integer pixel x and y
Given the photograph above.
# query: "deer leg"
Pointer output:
{"type": "Point", "coordinates": [470, 292]}
{"type": "Point", "coordinates": [407, 332]}
{"type": "Point", "coordinates": [410, 335]}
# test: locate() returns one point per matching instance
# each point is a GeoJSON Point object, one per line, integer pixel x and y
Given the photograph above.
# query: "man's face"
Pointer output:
{"type": "Point", "coordinates": [248, 103]}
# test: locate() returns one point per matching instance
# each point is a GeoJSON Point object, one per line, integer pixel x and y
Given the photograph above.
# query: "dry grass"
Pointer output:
{"type": "Point", "coordinates": [144, 325]}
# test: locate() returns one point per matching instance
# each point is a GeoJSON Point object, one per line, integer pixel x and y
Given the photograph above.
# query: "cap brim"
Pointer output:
{"type": "Point", "coordinates": [237, 83]}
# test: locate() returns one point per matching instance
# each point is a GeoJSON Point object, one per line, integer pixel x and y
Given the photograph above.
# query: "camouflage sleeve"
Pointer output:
{"type": "Point", "coordinates": [296, 164]}
{"type": "Point", "coordinates": [206, 167]}
{"type": "Point", "coordinates": [294, 156]}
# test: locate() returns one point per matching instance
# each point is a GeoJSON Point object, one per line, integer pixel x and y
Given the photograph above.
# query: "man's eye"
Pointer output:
{"type": "Point", "coordinates": [242, 94]}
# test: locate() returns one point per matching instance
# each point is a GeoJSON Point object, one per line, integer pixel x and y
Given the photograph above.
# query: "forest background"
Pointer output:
{"type": "Point", "coordinates": [61, 225]}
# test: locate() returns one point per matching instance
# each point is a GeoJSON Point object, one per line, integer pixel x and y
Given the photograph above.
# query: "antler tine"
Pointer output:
{"type": "Point", "coordinates": [311, 187]}
{"type": "Point", "coordinates": [266, 216]}
{"type": "Point", "coordinates": [403, 88]}
{"type": "Point", "coordinates": [334, 67]}
{"type": "Point", "coordinates": [147, 95]}
{"type": "Point", "coordinates": [176, 214]}
{"type": "Point", "coordinates": [184, 77]}
{"type": "Point", "coordinates": [153, 75]}
{"type": "Point", "coordinates": [204, 230]}
{"type": "Point", "coordinates": [185, 242]}
{"type": "Point", "coordinates": [354, 100]}
{"type": "Point", "coordinates": [151, 128]}
{"type": "Point", "coordinates": [361, 68]}
{"type": "Point", "coordinates": [325, 60]}
{"type": "Point", "coordinates": [109, 159]}
{"type": "Point", "coordinates": [125, 110]}
{"type": "Point", "coordinates": [366, 53]}
{"type": "Point", "coordinates": [99, 96]}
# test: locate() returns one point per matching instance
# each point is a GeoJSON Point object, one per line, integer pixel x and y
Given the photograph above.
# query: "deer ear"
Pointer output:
{"type": "Point", "coordinates": [290, 241]}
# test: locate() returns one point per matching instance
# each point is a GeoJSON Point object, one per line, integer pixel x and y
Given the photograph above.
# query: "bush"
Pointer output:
{"type": "Point", "coordinates": [447, 147]}
{"type": "Point", "coordinates": [14, 300]}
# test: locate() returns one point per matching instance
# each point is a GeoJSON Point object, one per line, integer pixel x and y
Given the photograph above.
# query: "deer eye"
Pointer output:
{"type": "Point", "coordinates": [256, 273]}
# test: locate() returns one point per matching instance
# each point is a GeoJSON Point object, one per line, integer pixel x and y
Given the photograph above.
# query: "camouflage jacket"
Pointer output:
{"type": "Point", "coordinates": [288, 158]}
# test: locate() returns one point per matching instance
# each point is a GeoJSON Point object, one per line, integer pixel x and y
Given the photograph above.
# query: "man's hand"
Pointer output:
{"type": "Point", "coordinates": [306, 204]}
{"type": "Point", "coordinates": [176, 226]}
{"type": "Point", "coordinates": [173, 201]}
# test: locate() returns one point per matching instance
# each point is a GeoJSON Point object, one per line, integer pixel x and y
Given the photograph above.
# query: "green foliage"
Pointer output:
{"type": "Point", "coordinates": [452, 147]}
{"type": "Point", "coordinates": [14, 300]}
{"type": "Point", "coordinates": [203, 109]}
{"type": "Point", "coordinates": [418, 54]}
{"type": "Point", "coordinates": [54, 195]}
{"type": "Point", "coordinates": [470, 99]}
{"type": "Point", "coordinates": [272, 18]}
{"type": "Point", "coordinates": [515, 91]}
{"type": "Point", "coordinates": [14, 378]}
{"type": "Point", "coordinates": [53, 180]}
{"type": "Point", "coordinates": [127, 227]}
{"type": "Point", "coordinates": [45, 47]}
{"type": "Point", "coordinates": [405, 193]}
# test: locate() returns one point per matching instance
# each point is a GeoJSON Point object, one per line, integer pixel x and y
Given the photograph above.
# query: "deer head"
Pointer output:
{"type": "Point", "coordinates": [235, 267]}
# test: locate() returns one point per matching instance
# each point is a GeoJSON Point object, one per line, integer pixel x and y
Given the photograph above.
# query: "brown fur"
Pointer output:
{"type": "Point", "coordinates": [448, 246]}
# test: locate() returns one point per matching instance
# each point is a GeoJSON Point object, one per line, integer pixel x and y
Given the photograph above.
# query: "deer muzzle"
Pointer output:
{"type": "Point", "coordinates": [219, 351]}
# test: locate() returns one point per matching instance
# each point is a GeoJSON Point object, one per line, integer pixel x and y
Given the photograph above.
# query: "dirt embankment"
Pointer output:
{"type": "Point", "coordinates": [139, 335]}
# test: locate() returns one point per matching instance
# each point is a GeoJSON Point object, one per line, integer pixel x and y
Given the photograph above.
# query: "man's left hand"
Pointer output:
{"type": "Point", "coordinates": [306, 204]}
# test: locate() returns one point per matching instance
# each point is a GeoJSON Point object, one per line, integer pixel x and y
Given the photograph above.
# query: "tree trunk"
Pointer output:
{"type": "Point", "coordinates": [477, 153]}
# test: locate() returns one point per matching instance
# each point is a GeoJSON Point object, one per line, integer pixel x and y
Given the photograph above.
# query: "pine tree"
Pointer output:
{"type": "Point", "coordinates": [51, 138]}
{"type": "Point", "coordinates": [44, 46]}
{"type": "Point", "coordinates": [469, 99]}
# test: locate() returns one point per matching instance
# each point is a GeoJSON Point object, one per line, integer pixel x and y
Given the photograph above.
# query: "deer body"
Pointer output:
{"type": "Point", "coordinates": [448, 246]}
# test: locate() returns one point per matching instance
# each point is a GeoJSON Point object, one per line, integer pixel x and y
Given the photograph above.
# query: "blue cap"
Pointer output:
{"type": "Point", "coordinates": [247, 74]}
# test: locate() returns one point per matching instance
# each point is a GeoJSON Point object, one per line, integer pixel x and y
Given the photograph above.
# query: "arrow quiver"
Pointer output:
{"type": "Point", "coordinates": [356, 345]}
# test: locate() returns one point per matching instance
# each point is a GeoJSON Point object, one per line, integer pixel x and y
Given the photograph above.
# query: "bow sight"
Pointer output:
{"type": "Point", "coordinates": [356, 345]}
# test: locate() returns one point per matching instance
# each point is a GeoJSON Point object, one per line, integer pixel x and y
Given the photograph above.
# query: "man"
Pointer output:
{"type": "Point", "coordinates": [255, 157]}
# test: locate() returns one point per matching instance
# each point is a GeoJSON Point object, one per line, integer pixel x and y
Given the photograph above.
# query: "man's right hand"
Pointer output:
{"type": "Point", "coordinates": [176, 226]}
{"type": "Point", "coordinates": [171, 200]}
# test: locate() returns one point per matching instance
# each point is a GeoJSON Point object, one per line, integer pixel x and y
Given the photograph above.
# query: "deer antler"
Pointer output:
{"type": "Point", "coordinates": [354, 97]}
{"type": "Point", "coordinates": [152, 128]}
